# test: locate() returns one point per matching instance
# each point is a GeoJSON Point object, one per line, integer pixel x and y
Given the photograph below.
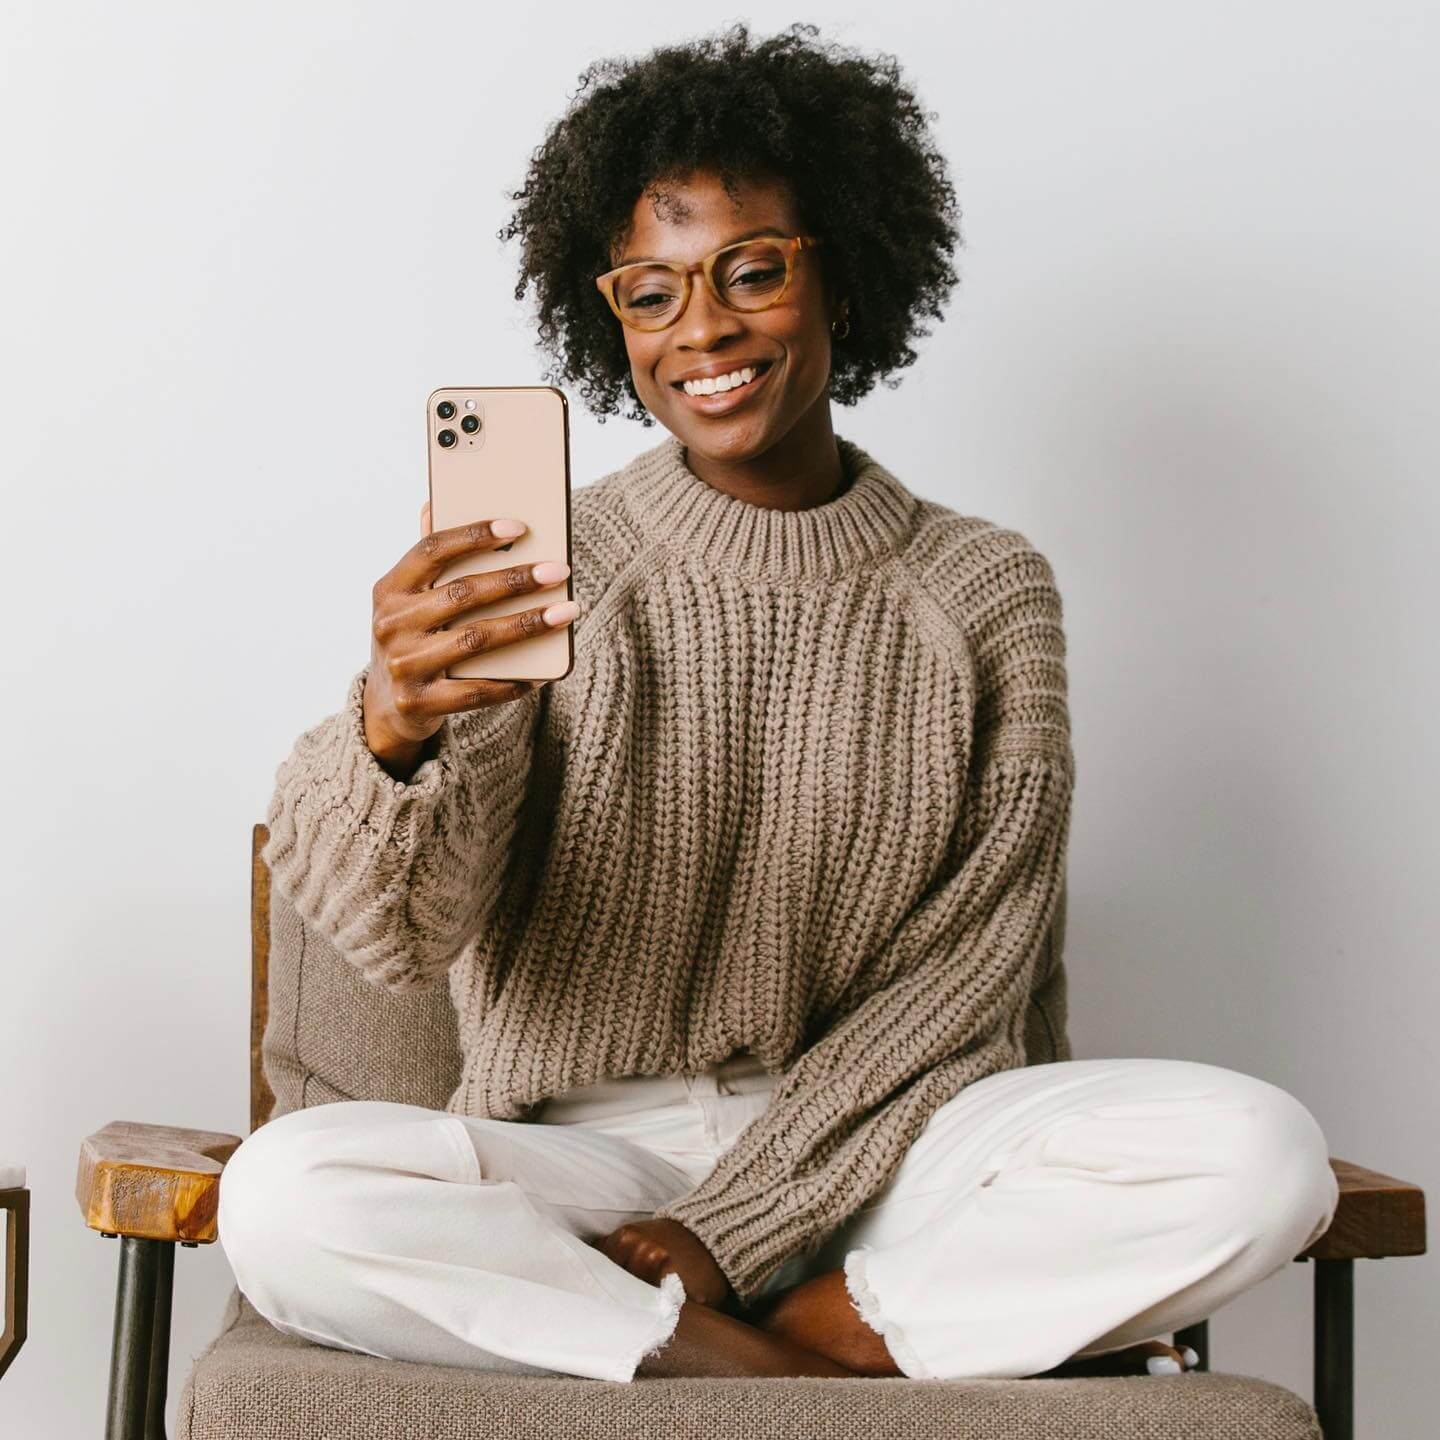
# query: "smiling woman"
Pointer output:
{"type": "Point", "coordinates": [797, 821]}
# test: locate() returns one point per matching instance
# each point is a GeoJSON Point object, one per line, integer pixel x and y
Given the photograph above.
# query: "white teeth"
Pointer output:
{"type": "Point", "coordinates": [717, 385]}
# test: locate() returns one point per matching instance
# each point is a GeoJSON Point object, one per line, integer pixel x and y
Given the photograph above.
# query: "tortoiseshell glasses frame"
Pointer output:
{"type": "Point", "coordinates": [789, 246]}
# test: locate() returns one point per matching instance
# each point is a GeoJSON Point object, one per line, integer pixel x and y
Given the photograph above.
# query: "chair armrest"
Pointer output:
{"type": "Point", "coordinates": [1378, 1216]}
{"type": "Point", "coordinates": [153, 1182]}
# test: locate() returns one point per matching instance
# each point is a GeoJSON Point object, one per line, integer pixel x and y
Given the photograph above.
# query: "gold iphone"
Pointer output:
{"type": "Point", "coordinates": [494, 451]}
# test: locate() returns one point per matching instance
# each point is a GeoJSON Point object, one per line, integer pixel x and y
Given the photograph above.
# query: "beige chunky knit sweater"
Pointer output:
{"type": "Point", "coordinates": [806, 792]}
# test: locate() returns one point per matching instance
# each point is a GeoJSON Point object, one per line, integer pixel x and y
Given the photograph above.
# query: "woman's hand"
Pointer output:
{"type": "Point", "coordinates": [407, 694]}
{"type": "Point", "coordinates": [652, 1248]}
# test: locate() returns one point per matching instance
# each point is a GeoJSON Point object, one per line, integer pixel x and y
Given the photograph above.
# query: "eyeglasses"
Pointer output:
{"type": "Point", "coordinates": [751, 275]}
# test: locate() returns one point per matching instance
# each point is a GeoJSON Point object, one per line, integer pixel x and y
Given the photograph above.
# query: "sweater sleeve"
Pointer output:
{"type": "Point", "coordinates": [949, 1012]}
{"type": "Point", "coordinates": [400, 875]}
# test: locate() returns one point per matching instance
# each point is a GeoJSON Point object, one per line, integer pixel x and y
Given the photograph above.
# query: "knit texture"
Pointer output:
{"type": "Point", "coordinates": [806, 792]}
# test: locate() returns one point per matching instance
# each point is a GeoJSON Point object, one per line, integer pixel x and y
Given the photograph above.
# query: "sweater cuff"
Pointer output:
{"type": "Point", "coordinates": [335, 776]}
{"type": "Point", "coordinates": [347, 840]}
{"type": "Point", "coordinates": [748, 1233]}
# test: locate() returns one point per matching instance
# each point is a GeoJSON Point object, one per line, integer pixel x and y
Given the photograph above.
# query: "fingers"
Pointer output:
{"type": "Point", "coordinates": [408, 605]}
{"type": "Point", "coordinates": [430, 660]}
{"type": "Point", "coordinates": [423, 562]}
{"type": "Point", "coordinates": [434, 608]}
{"type": "Point", "coordinates": [451, 697]}
{"type": "Point", "coordinates": [636, 1252]}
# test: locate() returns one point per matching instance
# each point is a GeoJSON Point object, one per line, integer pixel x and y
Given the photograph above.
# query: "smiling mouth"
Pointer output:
{"type": "Point", "coordinates": [759, 370]}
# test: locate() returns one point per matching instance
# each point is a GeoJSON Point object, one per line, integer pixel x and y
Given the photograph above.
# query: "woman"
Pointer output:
{"type": "Point", "coordinates": [752, 924]}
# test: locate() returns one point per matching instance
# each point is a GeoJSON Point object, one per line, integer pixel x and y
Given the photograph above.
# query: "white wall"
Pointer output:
{"type": "Point", "coordinates": [1193, 358]}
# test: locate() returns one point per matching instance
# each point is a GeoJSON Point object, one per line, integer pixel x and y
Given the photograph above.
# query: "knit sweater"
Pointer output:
{"type": "Point", "coordinates": [806, 793]}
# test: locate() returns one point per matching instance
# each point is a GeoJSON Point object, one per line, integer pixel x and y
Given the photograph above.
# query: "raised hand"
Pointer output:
{"type": "Point", "coordinates": [407, 694]}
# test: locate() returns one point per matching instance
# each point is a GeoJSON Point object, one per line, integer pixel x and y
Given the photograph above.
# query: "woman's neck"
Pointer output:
{"type": "Point", "coordinates": [801, 470]}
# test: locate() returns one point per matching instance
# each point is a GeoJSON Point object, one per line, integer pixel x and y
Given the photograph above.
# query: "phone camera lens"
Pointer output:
{"type": "Point", "coordinates": [446, 438]}
{"type": "Point", "coordinates": [445, 409]}
{"type": "Point", "coordinates": [470, 424]}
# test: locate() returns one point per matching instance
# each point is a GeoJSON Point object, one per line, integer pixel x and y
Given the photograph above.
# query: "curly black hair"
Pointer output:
{"type": "Point", "coordinates": [841, 128]}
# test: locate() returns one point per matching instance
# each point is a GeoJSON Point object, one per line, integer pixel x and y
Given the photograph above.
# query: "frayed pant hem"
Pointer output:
{"type": "Point", "coordinates": [868, 1305]}
{"type": "Point", "coordinates": [672, 1292]}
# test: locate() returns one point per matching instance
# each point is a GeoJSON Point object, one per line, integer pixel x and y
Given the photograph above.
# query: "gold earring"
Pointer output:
{"type": "Point", "coordinates": [840, 334]}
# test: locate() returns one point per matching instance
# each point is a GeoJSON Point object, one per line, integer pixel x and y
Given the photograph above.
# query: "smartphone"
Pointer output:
{"type": "Point", "coordinates": [493, 451]}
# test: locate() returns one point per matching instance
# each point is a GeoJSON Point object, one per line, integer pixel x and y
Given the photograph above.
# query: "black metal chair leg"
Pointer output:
{"type": "Point", "coordinates": [1197, 1337]}
{"type": "Point", "coordinates": [134, 1335]}
{"type": "Point", "coordinates": [160, 1340]}
{"type": "Point", "coordinates": [1335, 1348]}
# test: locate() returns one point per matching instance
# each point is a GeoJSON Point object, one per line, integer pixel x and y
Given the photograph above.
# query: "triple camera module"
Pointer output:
{"type": "Point", "coordinates": [469, 423]}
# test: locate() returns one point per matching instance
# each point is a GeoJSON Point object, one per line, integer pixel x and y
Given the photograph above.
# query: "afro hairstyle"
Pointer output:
{"type": "Point", "coordinates": [841, 128]}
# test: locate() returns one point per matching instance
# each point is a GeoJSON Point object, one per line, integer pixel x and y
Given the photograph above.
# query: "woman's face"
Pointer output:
{"type": "Point", "coordinates": [792, 337]}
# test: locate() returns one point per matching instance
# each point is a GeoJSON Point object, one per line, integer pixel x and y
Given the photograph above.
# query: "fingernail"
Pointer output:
{"type": "Point", "coordinates": [558, 614]}
{"type": "Point", "coordinates": [1163, 1365]}
{"type": "Point", "coordinates": [507, 527]}
{"type": "Point", "coordinates": [547, 572]}
{"type": "Point", "coordinates": [1191, 1357]}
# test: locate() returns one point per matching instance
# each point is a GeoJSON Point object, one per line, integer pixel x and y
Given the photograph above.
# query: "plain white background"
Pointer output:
{"type": "Point", "coordinates": [1193, 357]}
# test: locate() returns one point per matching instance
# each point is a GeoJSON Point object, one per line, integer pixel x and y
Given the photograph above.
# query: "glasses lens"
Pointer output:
{"type": "Point", "coordinates": [648, 294]}
{"type": "Point", "coordinates": [751, 275]}
{"type": "Point", "coordinates": [748, 276]}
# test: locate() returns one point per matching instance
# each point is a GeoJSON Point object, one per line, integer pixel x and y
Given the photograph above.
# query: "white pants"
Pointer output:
{"type": "Point", "coordinates": [1045, 1212]}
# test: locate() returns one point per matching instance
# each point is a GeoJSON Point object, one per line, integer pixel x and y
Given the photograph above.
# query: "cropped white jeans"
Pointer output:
{"type": "Point", "coordinates": [1045, 1212]}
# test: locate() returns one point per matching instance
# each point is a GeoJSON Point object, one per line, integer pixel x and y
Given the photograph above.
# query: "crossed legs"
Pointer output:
{"type": "Point", "coordinates": [1044, 1215]}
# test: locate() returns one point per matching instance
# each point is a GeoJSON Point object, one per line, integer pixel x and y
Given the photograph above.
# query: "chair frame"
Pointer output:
{"type": "Point", "coordinates": [1378, 1217]}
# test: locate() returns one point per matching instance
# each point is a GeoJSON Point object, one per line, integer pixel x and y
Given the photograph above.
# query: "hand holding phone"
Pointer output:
{"type": "Point", "coordinates": [407, 695]}
{"type": "Point", "coordinates": [504, 450]}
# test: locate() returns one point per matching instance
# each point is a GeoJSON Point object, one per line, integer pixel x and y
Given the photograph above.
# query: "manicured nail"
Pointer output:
{"type": "Point", "coordinates": [507, 527]}
{"type": "Point", "coordinates": [1163, 1365]}
{"type": "Point", "coordinates": [558, 614]}
{"type": "Point", "coordinates": [547, 572]}
{"type": "Point", "coordinates": [1191, 1358]}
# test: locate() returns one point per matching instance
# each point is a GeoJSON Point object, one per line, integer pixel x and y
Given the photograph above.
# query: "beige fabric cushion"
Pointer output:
{"type": "Point", "coordinates": [257, 1383]}
{"type": "Point", "coordinates": [332, 1036]}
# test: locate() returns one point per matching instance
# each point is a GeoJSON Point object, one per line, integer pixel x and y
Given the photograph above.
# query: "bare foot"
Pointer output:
{"type": "Point", "coordinates": [819, 1315]}
{"type": "Point", "coordinates": [1132, 1360]}
{"type": "Point", "coordinates": [706, 1341]}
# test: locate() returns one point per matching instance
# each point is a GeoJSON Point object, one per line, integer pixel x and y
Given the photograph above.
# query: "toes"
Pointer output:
{"type": "Point", "coordinates": [1152, 1357]}
{"type": "Point", "coordinates": [1163, 1359]}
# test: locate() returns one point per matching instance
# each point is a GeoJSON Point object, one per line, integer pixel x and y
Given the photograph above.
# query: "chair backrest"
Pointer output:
{"type": "Point", "coordinates": [319, 1033]}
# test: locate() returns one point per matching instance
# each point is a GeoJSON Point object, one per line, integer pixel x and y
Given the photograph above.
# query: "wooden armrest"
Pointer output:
{"type": "Point", "coordinates": [153, 1182]}
{"type": "Point", "coordinates": [1378, 1216]}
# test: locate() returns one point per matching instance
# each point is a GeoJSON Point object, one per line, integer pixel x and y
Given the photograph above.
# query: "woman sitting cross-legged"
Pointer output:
{"type": "Point", "coordinates": [752, 923]}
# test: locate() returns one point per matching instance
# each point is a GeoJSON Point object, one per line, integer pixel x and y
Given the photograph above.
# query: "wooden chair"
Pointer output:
{"type": "Point", "coordinates": [156, 1186]}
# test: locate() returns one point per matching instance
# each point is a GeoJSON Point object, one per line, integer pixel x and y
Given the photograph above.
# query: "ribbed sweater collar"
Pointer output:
{"type": "Point", "coordinates": [872, 517]}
